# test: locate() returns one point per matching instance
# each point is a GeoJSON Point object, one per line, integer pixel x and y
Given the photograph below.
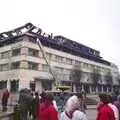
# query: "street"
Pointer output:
{"type": "Point", "coordinates": [91, 114]}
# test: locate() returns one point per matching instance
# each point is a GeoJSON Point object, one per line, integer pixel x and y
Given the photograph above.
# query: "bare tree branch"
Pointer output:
{"type": "Point", "coordinates": [109, 78]}
{"type": "Point", "coordinates": [96, 76]}
{"type": "Point", "coordinates": [76, 74]}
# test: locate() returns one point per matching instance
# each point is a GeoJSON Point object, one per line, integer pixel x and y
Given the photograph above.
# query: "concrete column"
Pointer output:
{"type": "Point", "coordinates": [82, 87]}
{"type": "Point", "coordinates": [24, 51]}
{"type": "Point", "coordinates": [24, 64]}
{"type": "Point", "coordinates": [102, 88]}
{"type": "Point", "coordinates": [96, 89]}
{"type": "Point", "coordinates": [8, 84]}
{"type": "Point", "coordinates": [38, 86]}
{"type": "Point", "coordinates": [107, 89]}
{"type": "Point", "coordinates": [74, 88]}
{"type": "Point", "coordinates": [90, 87]}
{"type": "Point", "coordinates": [53, 87]}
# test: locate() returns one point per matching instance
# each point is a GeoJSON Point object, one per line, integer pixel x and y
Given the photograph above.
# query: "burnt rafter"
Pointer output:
{"type": "Point", "coordinates": [56, 42]}
{"type": "Point", "coordinates": [16, 32]}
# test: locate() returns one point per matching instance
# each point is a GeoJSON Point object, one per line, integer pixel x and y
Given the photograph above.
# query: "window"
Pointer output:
{"type": "Point", "coordinates": [68, 61]}
{"type": "Point", "coordinates": [3, 84]}
{"type": "Point", "coordinates": [85, 65]}
{"type": "Point", "coordinates": [4, 67]}
{"type": "Point", "coordinates": [16, 52]}
{"type": "Point", "coordinates": [67, 71]}
{"type": "Point", "coordinates": [33, 52]}
{"type": "Point", "coordinates": [14, 85]}
{"type": "Point", "coordinates": [55, 57]}
{"type": "Point", "coordinates": [59, 59]}
{"type": "Point", "coordinates": [59, 69]}
{"type": "Point", "coordinates": [77, 62]}
{"type": "Point", "coordinates": [5, 55]}
{"type": "Point", "coordinates": [49, 56]}
{"type": "Point", "coordinates": [45, 68]}
{"type": "Point", "coordinates": [15, 65]}
{"type": "Point", "coordinates": [33, 66]}
{"type": "Point", "coordinates": [32, 85]}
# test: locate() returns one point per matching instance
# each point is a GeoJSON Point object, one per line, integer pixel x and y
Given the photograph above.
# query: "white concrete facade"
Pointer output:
{"type": "Point", "coordinates": [61, 63]}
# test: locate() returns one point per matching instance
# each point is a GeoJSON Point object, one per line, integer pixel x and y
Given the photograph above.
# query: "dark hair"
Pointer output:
{"type": "Point", "coordinates": [36, 93]}
{"type": "Point", "coordinates": [43, 94]}
{"type": "Point", "coordinates": [49, 98]}
{"type": "Point", "coordinates": [110, 98]}
{"type": "Point", "coordinates": [31, 93]}
{"type": "Point", "coordinates": [79, 95]}
{"type": "Point", "coordinates": [104, 98]}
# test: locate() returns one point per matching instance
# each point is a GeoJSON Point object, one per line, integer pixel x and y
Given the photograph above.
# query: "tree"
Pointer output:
{"type": "Point", "coordinates": [108, 78]}
{"type": "Point", "coordinates": [76, 74]}
{"type": "Point", "coordinates": [96, 76]}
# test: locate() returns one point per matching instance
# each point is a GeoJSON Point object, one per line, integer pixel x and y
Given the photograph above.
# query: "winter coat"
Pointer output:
{"type": "Point", "coordinates": [35, 105]}
{"type": "Point", "coordinates": [25, 99]}
{"type": "Point", "coordinates": [47, 112]}
{"type": "Point", "coordinates": [71, 105]}
{"type": "Point", "coordinates": [117, 104]}
{"type": "Point", "coordinates": [5, 97]}
{"type": "Point", "coordinates": [115, 110]}
{"type": "Point", "coordinates": [77, 115]}
{"type": "Point", "coordinates": [105, 113]}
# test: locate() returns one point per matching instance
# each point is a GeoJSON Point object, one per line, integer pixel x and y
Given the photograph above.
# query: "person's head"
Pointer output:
{"type": "Point", "coordinates": [43, 94]}
{"type": "Point", "coordinates": [79, 95]}
{"type": "Point", "coordinates": [109, 98]}
{"type": "Point", "coordinates": [118, 97]}
{"type": "Point", "coordinates": [36, 93]}
{"type": "Point", "coordinates": [49, 98]}
{"type": "Point", "coordinates": [104, 98]}
{"type": "Point", "coordinates": [5, 90]}
{"type": "Point", "coordinates": [31, 93]}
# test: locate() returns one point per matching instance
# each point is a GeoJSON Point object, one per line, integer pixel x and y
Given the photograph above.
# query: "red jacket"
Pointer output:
{"type": "Point", "coordinates": [47, 112]}
{"type": "Point", "coordinates": [6, 95]}
{"type": "Point", "coordinates": [105, 113]}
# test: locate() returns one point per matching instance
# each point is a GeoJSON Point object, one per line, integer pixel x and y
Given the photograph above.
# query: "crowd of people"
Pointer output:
{"type": "Point", "coordinates": [44, 106]}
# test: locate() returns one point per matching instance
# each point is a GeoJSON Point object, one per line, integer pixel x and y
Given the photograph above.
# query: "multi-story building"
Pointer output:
{"type": "Point", "coordinates": [22, 65]}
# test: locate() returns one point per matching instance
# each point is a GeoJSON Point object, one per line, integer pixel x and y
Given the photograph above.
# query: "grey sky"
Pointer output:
{"type": "Point", "coordinates": [95, 23]}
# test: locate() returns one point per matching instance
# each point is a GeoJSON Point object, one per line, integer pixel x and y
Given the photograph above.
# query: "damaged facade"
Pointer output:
{"type": "Point", "coordinates": [23, 64]}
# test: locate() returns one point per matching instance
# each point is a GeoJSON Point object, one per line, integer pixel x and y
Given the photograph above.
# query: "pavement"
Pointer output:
{"type": "Point", "coordinates": [91, 114]}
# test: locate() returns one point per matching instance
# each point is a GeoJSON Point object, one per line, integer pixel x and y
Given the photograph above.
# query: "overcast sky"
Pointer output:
{"type": "Point", "coordinates": [95, 23]}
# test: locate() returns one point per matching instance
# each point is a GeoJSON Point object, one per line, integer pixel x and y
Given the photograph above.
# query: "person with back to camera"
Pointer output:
{"type": "Point", "coordinates": [5, 97]}
{"type": "Point", "coordinates": [113, 107]}
{"type": "Point", "coordinates": [104, 111]}
{"type": "Point", "coordinates": [46, 109]}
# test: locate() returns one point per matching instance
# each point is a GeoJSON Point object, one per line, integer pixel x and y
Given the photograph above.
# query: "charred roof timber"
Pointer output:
{"type": "Point", "coordinates": [56, 42]}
